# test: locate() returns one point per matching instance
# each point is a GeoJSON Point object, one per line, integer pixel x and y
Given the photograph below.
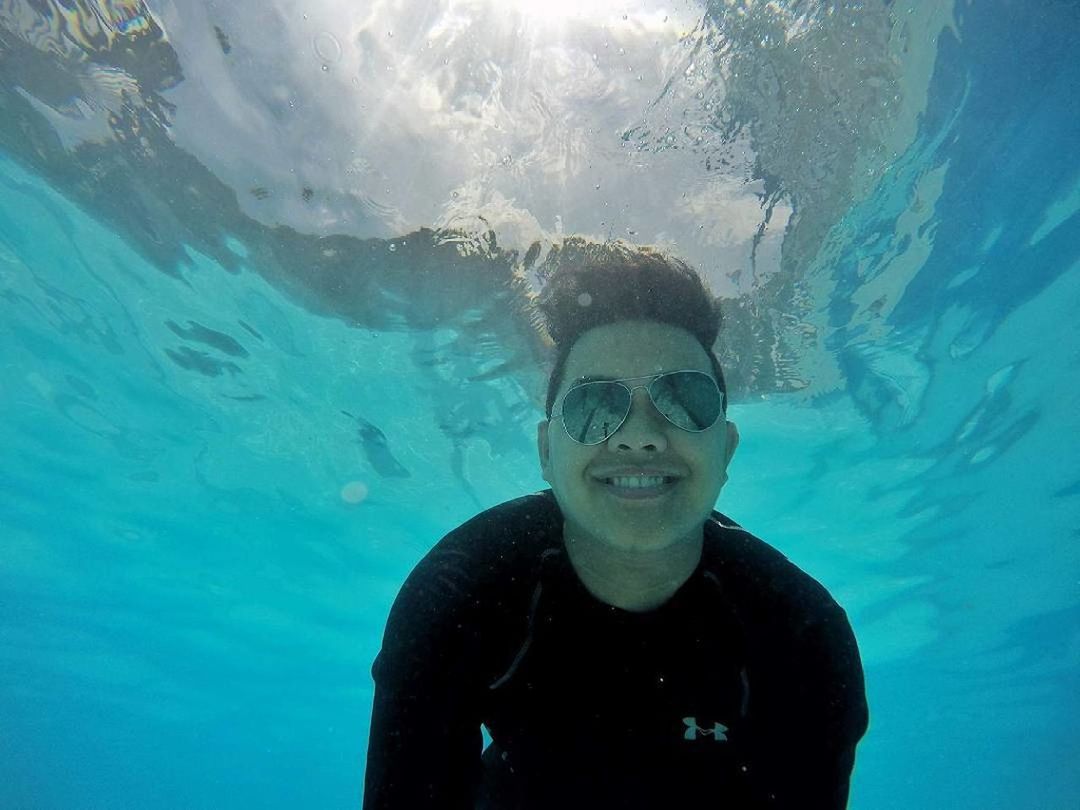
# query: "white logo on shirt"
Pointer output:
{"type": "Point", "coordinates": [718, 732]}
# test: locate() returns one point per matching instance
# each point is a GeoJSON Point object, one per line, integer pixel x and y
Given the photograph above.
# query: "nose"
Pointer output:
{"type": "Point", "coordinates": [643, 428]}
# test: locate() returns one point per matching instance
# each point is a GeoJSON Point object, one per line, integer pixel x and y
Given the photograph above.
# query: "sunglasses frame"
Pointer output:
{"type": "Point", "coordinates": [652, 378]}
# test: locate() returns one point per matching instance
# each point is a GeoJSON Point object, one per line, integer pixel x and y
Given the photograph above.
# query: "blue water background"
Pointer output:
{"type": "Point", "coordinates": [189, 609]}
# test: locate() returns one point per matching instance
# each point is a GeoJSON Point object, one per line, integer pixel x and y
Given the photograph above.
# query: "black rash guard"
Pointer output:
{"type": "Point", "coordinates": [744, 690]}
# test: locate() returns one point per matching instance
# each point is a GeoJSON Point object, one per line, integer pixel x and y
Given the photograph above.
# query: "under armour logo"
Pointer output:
{"type": "Point", "coordinates": [718, 732]}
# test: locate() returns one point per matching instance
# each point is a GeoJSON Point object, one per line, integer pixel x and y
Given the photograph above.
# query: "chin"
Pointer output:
{"type": "Point", "coordinates": [638, 535]}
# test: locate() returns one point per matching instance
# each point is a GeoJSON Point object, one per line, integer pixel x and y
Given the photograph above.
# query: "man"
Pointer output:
{"type": "Point", "coordinates": [624, 645]}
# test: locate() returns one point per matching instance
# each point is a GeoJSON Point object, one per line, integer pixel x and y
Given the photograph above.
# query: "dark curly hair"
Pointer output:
{"type": "Point", "coordinates": [592, 284]}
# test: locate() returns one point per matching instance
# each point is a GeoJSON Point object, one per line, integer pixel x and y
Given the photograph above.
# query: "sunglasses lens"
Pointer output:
{"type": "Point", "coordinates": [690, 400]}
{"type": "Point", "coordinates": [593, 411]}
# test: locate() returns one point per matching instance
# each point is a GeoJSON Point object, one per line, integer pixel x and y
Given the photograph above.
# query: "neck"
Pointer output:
{"type": "Point", "coordinates": [630, 579]}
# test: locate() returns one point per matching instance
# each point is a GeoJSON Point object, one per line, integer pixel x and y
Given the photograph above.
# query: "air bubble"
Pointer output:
{"type": "Point", "coordinates": [354, 492]}
{"type": "Point", "coordinates": [327, 47]}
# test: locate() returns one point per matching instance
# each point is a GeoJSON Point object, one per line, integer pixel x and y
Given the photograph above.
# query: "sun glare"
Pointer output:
{"type": "Point", "coordinates": [558, 10]}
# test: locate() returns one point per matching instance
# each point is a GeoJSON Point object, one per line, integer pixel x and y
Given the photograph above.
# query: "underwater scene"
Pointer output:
{"type": "Point", "coordinates": [268, 331]}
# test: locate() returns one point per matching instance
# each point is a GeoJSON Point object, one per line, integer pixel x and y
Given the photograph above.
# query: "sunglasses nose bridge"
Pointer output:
{"type": "Point", "coordinates": [642, 404]}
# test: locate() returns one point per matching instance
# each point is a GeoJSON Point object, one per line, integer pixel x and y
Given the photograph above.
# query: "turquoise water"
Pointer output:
{"type": "Point", "coordinates": [198, 545]}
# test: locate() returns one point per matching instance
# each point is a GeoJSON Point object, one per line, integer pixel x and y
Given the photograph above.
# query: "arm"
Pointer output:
{"type": "Point", "coordinates": [847, 714]}
{"type": "Point", "coordinates": [810, 708]}
{"type": "Point", "coordinates": [833, 719]}
{"type": "Point", "coordinates": [425, 744]}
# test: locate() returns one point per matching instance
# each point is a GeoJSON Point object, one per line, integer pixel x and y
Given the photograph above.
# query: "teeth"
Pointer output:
{"type": "Point", "coordinates": [637, 481]}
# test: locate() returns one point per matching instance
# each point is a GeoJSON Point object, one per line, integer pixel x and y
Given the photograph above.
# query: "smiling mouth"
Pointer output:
{"type": "Point", "coordinates": [645, 488]}
{"type": "Point", "coordinates": [638, 481]}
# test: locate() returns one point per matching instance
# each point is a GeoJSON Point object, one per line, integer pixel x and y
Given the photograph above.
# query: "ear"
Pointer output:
{"type": "Point", "coordinates": [544, 449]}
{"type": "Point", "coordinates": [732, 442]}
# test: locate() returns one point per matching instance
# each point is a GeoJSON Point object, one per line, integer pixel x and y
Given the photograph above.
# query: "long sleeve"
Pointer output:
{"type": "Point", "coordinates": [807, 693]}
{"type": "Point", "coordinates": [845, 715]}
{"type": "Point", "coordinates": [817, 754]}
{"type": "Point", "coordinates": [425, 744]}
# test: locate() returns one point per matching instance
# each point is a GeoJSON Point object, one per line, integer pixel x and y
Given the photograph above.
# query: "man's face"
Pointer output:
{"type": "Point", "coordinates": [646, 444]}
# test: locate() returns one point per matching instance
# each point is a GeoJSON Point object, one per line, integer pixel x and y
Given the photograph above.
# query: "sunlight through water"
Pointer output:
{"type": "Point", "coordinates": [268, 276]}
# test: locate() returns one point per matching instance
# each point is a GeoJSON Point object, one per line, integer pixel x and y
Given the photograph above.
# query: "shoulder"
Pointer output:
{"type": "Point", "coordinates": [520, 528]}
{"type": "Point", "coordinates": [519, 521]}
{"type": "Point", "coordinates": [468, 590]}
{"type": "Point", "coordinates": [765, 584]}
{"type": "Point", "coordinates": [790, 619]}
{"type": "Point", "coordinates": [493, 550]}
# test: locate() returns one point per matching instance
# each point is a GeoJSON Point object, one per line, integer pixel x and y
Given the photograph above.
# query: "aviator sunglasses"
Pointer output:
{"type": "Point", "coordinates": [592, 411]}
